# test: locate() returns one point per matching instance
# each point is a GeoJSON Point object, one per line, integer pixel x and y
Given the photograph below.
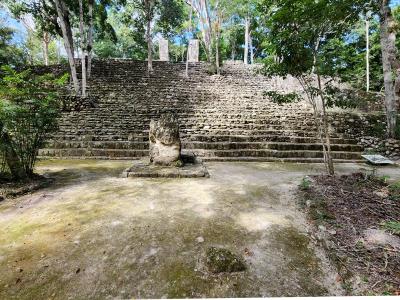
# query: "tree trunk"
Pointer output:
{"type": "Point", "coordinates": [217, 53]}
{"type": "Point", "coordinates": [149, 7]}
{"type": "Point", "coordinates": [46, 42]}
{"type": "Point", "coordinates": [68, 41]}
{"type": "Point", "coordinates": [83, 48]}
{"type": "Point", "coordinates": [246, 40]}
{"type": "Point", "coordinates": [190, 31]}
{"type": "Point", "coordinates": [251, 49]}
{"type": "Point", "coordinates": [14, 164]}
{"type": "Point", "coordinates": [325, 124]}
{"type": "Point", "coordinates": [201, 8]}
{"type": "Point", "coordinates": [388, 46]}
{"type": "Point", "coordinates": [90, 39]}
{"type": "Point", "coordinates": [367, 52]}
{"type": "Point", "coordinates": [149, 48]}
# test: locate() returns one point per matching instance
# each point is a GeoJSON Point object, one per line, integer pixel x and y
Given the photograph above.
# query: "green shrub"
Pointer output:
{"type": "Point", "coordinates": [392, 226]}
{"type": "Point", "coordinates": [281, 99]}
{"type": "Point", "coordinates": [305, 184]}
{"type": "Point", "coordinates": [394, 191]}
{"type": "Point", "coordinates": [29, 107]}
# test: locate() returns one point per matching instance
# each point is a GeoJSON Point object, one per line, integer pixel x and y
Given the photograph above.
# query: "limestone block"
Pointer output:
{"type": "Point", "coordinates": [165, 143]}
{"type": "Point", "coordinates": [163, 50]}
{"type": "Point", "coordinates": [194, 51]}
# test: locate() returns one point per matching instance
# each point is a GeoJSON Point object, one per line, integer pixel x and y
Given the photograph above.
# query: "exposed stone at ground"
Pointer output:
{"type": "Point", "coordinates": [220, 260]}
{"type": "Point", "coordinates": [165, 142]}
{"type": "Point", "coordinates": [187, 167]}
{"type": "Point", "coordinates": [349, 214]}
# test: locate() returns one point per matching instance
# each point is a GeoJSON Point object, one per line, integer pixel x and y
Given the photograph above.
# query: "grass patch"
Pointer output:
{"type": "Point", "coordinates": [392, 226]}
{"type": "Point", "coordinates": [305, 184]}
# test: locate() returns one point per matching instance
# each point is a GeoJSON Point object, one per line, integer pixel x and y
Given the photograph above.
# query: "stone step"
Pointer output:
{"type": "Point", "coordinates": [221, 117]}
{"type": "Point", "coordinates": [257, 138]}
{"type": "Point", "coordinates": [125, 135]}
{"type": "Point", "coordinates": [115, 153]}
{"type": "Point", "coordinates": [275, 159]}
{"type": "Point", "coordinates": [135, 145]}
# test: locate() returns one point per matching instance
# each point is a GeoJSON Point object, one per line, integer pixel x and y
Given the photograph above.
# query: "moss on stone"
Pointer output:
{"type": "Point", "coordinates": [220, 260]}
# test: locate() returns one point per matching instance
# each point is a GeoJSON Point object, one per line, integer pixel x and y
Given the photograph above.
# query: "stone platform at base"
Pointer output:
{"type": "Point", "coordinates": [192, 168]}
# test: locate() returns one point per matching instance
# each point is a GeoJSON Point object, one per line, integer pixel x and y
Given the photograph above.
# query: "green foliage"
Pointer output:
{"type": "Point", "coordinates": [305, 184]}
{"type": "Point", "coordinates": [282, 98]}
{"type": "Point", "coordinates": [394, 191]}
{"type": "Point", "coordinates": [9, 54]}
{"type": "Point", "coordinates": [299, 31]}
{"type": "Point", "coordinates": [392, 226]}
{"type": "Point", "coordinates": [343, 98]}
{"type": "Point", "coordinates": [344, 56]}
{"type": "Point", "coordinates": [29, 109]}
{"type": "Point", "coordinates": [376, 128]}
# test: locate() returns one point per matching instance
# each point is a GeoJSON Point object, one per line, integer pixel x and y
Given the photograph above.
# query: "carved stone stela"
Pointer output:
{"type": "Point", "coordinates": [194, 51]}
{"type": "Point", "coordinates": [163, 49]}
{"type": "Point", "coordinates": [165, 143]}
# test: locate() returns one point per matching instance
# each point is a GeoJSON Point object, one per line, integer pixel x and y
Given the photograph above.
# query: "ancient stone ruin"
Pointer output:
{"type": "Point", "coordinates": [163, 50]}
{"type": "Point", "coordinates": [228, 118]}
{"type": "Point", "coordinates": [165, 143]}
{"type": "Point", "coordinates": [165, 157]}
{"type": "Point", "coordinates": [193, 51]}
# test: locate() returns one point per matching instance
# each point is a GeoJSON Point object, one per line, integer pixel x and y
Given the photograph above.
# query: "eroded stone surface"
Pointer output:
{"type": "Point", "coordinates": [163, 50]}
{"type": "Point", "coordinates": [194, 50]}
{"type": "Point", "coordinates": [220, 260]}
{"type": "Point", "coordinates": [165, 143]}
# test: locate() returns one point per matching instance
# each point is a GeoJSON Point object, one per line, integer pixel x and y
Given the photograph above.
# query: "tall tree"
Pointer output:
{"type": "Point", "coordinates": [390, 64]}
{"type": "Point", "coordinates": [84, 56]}
{"type": "Point", "coordinates": [299, 30]}
{"type": "Point", "coordinates": [65, 24]}
{"type": "Point", "coordinates": [148, 8]}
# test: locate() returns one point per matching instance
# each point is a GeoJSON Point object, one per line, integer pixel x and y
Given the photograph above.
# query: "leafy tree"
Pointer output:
{"type": "Point", "coordinates": [9, 53]}
{"type": "Point", "coordinates": [29, 107]}
{"type": "Point", "coordinates": [299, 30]}
{"type": "Point", "coordinates": [390, 65]}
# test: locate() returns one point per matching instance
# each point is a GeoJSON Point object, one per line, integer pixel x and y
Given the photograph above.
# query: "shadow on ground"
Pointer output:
{"type": "Point", "coordinates": [95, 235]}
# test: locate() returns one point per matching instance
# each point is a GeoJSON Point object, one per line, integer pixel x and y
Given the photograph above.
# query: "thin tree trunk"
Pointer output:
{"type": "Point", "coordinates": [46, 41]}
{"type": "Point", "coordinates": [331, 169]}
{"type": "Point", "coordinates": [90, 39]}
{"type": "Point", "coordinates": [13, 162]}
{"type": "Point", "coordinates": [217, 53]}
{"type": "Point", "coordinates": [68, 41]}
{"type": "Point", "coordinates": [83, 48]}
{"type": "Point", "coordinates": [251, 49]}
{"type": "Point", "coordinates": [388, 39]}
{"type": "Point", "coordinates": [367, 52]}
{"type": "Point", "coordinates": [209, 28]}
{"type": "Point", "coordinates": [217, 37]}
{"type": "Point", "coordinates": [201, 8]}
{"type": "Point", "coordinates": [149, 48]}
{"type": "Point", "coordinates": [190, 31]}
{"type": "Point", "coordinates": [246, 40]}
{"type": "Point", "coordinates": [58, 44]}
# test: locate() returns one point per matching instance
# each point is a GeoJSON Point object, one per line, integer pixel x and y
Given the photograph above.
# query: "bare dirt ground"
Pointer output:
{"type": "Point", "coordinates": [95, 235]}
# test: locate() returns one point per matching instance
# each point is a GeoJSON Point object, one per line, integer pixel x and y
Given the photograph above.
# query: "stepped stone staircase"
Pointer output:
{"type": "Point", "coordinates": [222, 118]}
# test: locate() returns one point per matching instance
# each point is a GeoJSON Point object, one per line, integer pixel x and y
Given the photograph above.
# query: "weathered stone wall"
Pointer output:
{"type": "Point", "coordinates": [225, 117]}
{"type": "Point", "coordinates": [369, 130]}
